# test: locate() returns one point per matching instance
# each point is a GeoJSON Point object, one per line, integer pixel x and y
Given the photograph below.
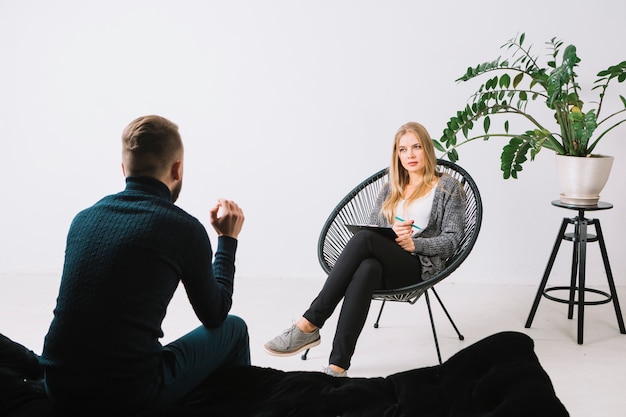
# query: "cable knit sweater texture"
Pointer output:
{"type": "Point", "coordinates": [124, 259]}
{"type": "Point", "coordinates": [442, 236]}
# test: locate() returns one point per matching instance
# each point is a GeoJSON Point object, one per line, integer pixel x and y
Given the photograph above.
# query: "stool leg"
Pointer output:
{"type": "Point", "coordinates": [546, 274]}
{"type": "Point", "coordinates": [582, 264]}
{"type": "Point", "coordinates": [575, 266]}
{"type": "Point", "coordinates": [609, 276]}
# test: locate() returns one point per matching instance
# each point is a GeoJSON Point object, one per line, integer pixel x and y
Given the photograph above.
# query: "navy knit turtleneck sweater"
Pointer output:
{"type": "Point", "coordinates": [124, 258]}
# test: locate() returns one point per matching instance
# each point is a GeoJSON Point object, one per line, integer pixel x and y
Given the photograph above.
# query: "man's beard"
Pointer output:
{"type": "Point", "coordinates": [176, 191]}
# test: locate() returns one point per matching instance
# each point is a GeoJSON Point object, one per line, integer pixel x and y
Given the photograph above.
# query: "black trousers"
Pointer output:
{"type": "Point", "coordinates": [369, 261]}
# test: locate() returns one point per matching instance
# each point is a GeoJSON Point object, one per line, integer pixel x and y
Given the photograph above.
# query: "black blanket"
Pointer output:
{"type": "Point", "coordinates": [499, 376]}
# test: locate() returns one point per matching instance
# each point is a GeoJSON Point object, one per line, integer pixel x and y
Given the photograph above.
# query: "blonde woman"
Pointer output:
{"type": "Point", "coordinates": [426, 211]}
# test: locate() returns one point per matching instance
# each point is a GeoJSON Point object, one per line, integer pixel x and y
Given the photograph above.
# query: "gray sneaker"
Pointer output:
{"type": "Point", "coordinates": [328, 371]}
{"type": "Point", "coordinates": [292, 341]}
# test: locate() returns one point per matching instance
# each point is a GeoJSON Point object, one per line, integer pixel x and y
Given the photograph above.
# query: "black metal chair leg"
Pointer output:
{"type": "Point", "coordinates": [432, 324]}
{"type": "Point", "coordinates": [461, 337]}
{"type": "Point", "coordinates": [380, 312]}
{"type": "Point", "coordinates": [305, 354]}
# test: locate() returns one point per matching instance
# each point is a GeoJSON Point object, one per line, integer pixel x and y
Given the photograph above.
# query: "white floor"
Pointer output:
{"type": "Point", "coordinates": [590, 379]}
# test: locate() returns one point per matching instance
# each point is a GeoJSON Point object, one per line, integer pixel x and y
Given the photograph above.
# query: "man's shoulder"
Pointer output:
{"type": "Point", "coordinates": [121, 205]}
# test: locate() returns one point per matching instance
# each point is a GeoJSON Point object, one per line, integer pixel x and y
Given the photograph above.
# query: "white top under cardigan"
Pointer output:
{"type": "Point", "coordinates": [418, 211]}
{"type": "Point", "coordinates": [442, 236]}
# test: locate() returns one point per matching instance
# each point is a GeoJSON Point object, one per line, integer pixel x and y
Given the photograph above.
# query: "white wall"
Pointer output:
{"type": "Point", "coordinates": [283, 106]}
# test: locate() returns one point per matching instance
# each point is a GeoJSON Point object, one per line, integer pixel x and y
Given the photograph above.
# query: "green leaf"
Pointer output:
{"type": "Point", "coordinates": [438, 146]}
{"type": "Point", "coordinates": [487, 123]}
{"type": "Point", "coordinates": [505, 81]}
{"type": "Point", "coordinates": [518, 78]}
{"type": "Point", "coordinates": [513, 156]}
{"type": "Point", "coordinates": [569, 56]}
{"type": "Point", "coordinates": [583, 126]}
{"type": "Point", "coordinates": [573, 100]}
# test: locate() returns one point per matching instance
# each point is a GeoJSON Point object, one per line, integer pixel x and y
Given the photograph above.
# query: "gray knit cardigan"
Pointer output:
{"type": "Point", "coordinates": [443, 234]}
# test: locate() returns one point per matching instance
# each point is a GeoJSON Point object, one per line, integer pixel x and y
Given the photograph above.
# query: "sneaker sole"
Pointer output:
{"type": "Point", "coordinates": [293, 352]}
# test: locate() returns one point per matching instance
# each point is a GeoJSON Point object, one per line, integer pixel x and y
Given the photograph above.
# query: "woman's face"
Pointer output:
{"type": "Point", "coordinates": [411, 153]}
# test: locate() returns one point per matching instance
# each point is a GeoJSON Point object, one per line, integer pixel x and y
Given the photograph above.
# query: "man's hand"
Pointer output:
{"type": "Point", "coordinates": [227, 218]}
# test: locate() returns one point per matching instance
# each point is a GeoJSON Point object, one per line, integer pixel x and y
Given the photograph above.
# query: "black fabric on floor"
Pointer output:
{"type": "Point", "coordinates": [499, 376]}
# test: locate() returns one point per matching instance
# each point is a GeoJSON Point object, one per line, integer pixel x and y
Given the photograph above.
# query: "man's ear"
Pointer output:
{"type": "Point", "coordinates": [123, 169]}
{"type": "Point", "coordinates": [176, 171]}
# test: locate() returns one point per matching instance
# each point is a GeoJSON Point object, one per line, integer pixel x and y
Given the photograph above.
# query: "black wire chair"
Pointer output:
{"type": "Point", "coordinates": [355, 208]}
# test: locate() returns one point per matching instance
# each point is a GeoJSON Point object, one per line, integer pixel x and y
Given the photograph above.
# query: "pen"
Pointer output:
{"type": "Point", "coordinates": [400, 219]}
{"type": "Point", "coordinates": [417, 227]}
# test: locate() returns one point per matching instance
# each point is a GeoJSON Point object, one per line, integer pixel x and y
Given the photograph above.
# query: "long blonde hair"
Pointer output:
{"type": "Point", "coordinates": [399, 177]}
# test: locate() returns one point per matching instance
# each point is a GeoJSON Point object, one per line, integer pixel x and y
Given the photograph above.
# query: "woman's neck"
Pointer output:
{"type": "Point", "coordinates": [416, 185]}
{"type": "Point", "coordinates": [415, 180]}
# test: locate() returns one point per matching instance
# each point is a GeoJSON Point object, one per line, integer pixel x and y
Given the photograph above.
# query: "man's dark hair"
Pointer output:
{"type": "Point", "coordinates": [149, 145]}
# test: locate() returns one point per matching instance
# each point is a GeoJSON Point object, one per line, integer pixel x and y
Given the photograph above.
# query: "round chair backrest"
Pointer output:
{"type": "Point", "coordinates": [355, 208]}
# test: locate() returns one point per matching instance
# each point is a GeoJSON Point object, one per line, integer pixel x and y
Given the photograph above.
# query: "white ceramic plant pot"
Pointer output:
{"type": "Point", "coordinates": [583, 178]}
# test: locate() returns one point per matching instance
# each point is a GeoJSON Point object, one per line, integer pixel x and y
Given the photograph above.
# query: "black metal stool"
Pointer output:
{"type": "Point", "coordinates": [579, 238]}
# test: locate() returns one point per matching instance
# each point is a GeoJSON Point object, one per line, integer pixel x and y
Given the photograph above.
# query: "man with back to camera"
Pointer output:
{"type": "Point", "coordinates": [124, 258]}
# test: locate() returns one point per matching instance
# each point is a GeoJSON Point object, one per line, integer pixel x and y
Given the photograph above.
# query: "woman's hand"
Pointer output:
{"type": "Point", "coordinates": [404, 230]}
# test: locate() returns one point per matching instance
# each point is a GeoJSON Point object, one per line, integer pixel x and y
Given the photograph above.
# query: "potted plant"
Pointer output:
{"type": "Point", "coordinates": [514, 86]}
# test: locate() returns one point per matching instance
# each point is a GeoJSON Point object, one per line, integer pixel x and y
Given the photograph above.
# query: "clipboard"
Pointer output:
{"type": "Point", "coordinates": [385, 231]}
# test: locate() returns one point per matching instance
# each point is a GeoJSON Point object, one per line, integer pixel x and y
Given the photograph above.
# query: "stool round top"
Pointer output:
{"type": "Point", "coordinates": [600, 205]}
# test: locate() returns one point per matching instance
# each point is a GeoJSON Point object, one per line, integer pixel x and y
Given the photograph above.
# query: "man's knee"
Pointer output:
{"type": "Point", "coordinates": [236, 323]}
{"type": "Point", "coordinates": [241, 340]}
{"type": "Point", "coordinates": [237, 327]}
